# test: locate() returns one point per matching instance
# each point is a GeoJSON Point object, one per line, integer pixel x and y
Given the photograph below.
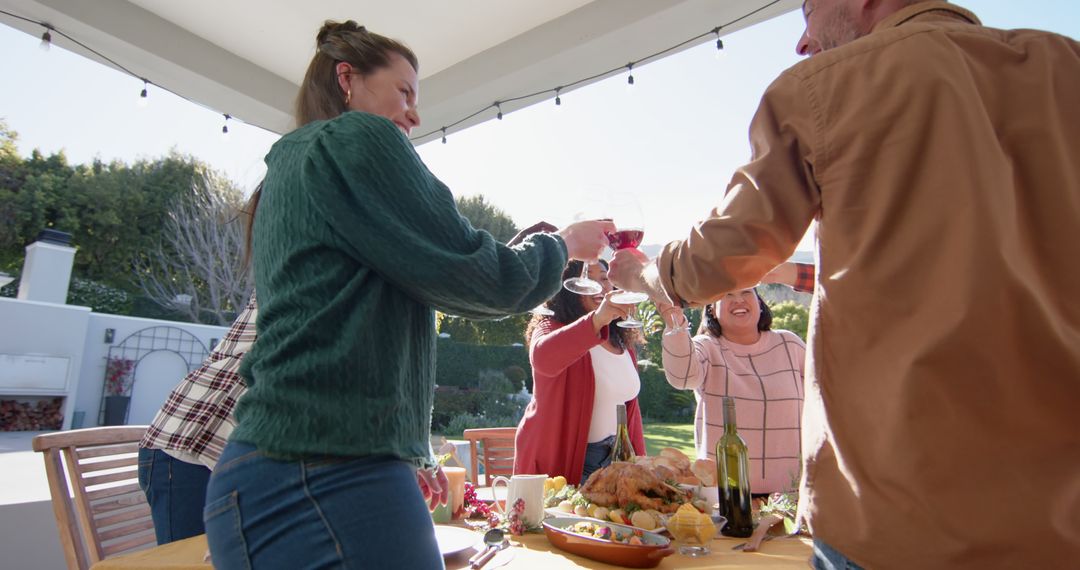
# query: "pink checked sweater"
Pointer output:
{"type": "Point", "coordinates": [766, 380]}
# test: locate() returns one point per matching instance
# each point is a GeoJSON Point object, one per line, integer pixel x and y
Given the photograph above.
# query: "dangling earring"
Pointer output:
{"type": "Point", "coordinates": [348, 96]}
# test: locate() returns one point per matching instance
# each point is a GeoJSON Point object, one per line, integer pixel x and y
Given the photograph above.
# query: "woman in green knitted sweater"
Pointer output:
{"type": "Point", "coordinates": [356, 244]}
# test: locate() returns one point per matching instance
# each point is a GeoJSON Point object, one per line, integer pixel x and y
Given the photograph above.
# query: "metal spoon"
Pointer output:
{"type": "Point", "coordinates": [493, 539]}
{"type": "Point", "coordinates": [489, 555]}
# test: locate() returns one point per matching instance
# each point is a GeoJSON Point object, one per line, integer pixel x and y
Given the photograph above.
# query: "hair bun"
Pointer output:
{"type": "Point", "coordinates": [331, 27]}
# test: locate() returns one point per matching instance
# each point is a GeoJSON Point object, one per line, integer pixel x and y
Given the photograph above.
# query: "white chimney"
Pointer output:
{"type": "Point", "coordinates": [47, 270]}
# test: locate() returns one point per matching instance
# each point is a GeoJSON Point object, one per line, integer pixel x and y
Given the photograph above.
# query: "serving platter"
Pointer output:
{"type": "Point", "coordinates": [648, 555]}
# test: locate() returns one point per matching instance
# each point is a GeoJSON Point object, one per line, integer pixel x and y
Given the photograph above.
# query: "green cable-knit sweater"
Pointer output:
{"type": "Point", "coordinates": [356, 245]}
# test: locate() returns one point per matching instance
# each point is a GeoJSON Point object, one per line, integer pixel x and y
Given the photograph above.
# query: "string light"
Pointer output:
{"type": "Point", "coordinates": [143, 100]}
{"type": "Point", "coordinates": [604, 74]}
{"type": "Point", "coordinates": [46, 38]}
{"type": "Point", "coordinates": [225, 128]}
{"type": "Point", "coordinates": [46, 41]}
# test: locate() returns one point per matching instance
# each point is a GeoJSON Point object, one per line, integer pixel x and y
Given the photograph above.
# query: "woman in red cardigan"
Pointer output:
{"type": "Point", "coordinates": [583, 365]}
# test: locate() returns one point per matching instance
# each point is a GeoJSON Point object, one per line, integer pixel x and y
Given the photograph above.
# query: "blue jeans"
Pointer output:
{"type": "Point", "coordinates": [176, 491]}
{"type": "Point", "coordinates": [828, 558]}
{"type": "Point", "coordinates": [597, 455]}
{"type": "Point", "coordinates": [320, 512]}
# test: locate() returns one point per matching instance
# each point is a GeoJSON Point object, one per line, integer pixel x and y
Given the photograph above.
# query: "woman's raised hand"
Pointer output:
{"type": "Point", "coordinates": [586, 240]}
{"type": "Point", "coordinates": [535, 228]}
{"type": "Point", "coordinates": [609, 311]}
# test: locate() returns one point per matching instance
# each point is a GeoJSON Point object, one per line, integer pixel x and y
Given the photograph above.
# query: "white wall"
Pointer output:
{"type": "Point", "coordinates": [155, 376]}
{"type": "Point", "coordinates": [48, 329]}
{"type": "Point", "coordinates": [77, 334]}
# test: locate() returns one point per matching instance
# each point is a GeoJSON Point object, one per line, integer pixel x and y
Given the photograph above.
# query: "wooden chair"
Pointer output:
{"type": "Point", "coordinates": [497, 453]}
{"type": "Point", "coordinates": [109, 514]}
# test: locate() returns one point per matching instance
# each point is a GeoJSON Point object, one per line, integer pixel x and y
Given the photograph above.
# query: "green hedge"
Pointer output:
{"type": "Point", "coordinates": [459, 364]}
{"type": "Point", "coordinates": [659, 401]}
{"type": "Point", "coordinates": [99, 297]}
{"type": "Point", "coordinates": [456, 410]}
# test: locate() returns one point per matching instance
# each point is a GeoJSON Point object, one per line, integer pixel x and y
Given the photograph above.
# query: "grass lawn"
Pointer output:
{"type": "Point", "coordinates": [679, 436]}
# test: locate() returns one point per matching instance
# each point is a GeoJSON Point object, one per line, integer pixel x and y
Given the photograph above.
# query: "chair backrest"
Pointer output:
{"type": "Point", "coordinates": [109, 513]}
{"type": "Point", "coordinates": [497, 452]}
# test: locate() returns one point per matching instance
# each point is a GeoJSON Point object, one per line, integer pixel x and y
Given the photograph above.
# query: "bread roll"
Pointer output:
{"type": "Point", "coordinates": [676, 457]}
{"type": "Point", "coordinates": [705, 469]}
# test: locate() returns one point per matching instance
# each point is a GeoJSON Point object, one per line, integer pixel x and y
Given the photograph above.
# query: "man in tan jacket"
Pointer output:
{"type": "Point", "coordinates": [942, 161]}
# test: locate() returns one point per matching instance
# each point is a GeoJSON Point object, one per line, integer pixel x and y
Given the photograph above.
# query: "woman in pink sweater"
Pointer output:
{"type": "Point", "coordinates": [735, 354]}
{"type": "Point", "coordinates": [583, 366]}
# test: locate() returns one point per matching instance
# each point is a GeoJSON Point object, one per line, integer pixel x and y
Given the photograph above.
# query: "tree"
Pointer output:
{"type": "Point", "coordinates": [10, 161]}
{"type": "Point", "coordinates": [485, 216]}
{"type": "Point", "coordinates": [122, 211]}
{"type": "Point", "coordinates": [791, 316]}
{"type": "Point", "coordinates": [31, 198]}
{"type": "Point", "coordinates": [197, 268]}
{"type": "Point", "coordinates": [112, 210]}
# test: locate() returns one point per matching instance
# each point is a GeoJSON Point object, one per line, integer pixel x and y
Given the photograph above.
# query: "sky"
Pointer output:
{"type": "Point", "coordinates": [670, 142]}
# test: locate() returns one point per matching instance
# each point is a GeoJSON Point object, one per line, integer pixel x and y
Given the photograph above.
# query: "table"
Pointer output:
{"type": "Point", "coordinates": [534, 552]}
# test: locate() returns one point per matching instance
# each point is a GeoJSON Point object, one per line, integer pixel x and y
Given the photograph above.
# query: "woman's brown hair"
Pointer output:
{"type": "Point", "coordinates": [321, 97]}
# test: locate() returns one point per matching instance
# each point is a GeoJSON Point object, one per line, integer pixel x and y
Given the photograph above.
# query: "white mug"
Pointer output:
{"type": "Point", "coordinates": [528, 487]}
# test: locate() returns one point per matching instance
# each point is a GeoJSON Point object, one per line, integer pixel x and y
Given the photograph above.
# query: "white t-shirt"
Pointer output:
{"type": "Point", "coordinates": [617, 382]}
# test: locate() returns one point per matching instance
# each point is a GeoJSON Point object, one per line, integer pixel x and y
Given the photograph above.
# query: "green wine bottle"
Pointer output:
{"type": "Point", "coordinates": [732, 470]}
{"type": "Point", "coordinates": [622, 450]}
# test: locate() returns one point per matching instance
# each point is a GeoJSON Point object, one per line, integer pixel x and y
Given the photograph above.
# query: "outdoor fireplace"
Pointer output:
{"type": "Point", "coordinates": [32, 392]}
{"type": "Point", "coordinates": [31, 414]}
{"type": "Point", "coordinates": [41, 340]}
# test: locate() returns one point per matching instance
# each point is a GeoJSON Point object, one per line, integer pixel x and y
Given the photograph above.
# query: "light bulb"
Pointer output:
{"type": "Point", "coordinates": [143, 99]}
{"type": "Point", "coordinates": [46, 40]}
{"type": "Point", "coordinates": [720, 53]}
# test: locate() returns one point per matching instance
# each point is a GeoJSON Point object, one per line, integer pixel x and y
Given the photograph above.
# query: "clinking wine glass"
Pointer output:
{"type": "Point", "coordinates": [629, 231]}
{"type": "Point", "coordinates": [582, 284]}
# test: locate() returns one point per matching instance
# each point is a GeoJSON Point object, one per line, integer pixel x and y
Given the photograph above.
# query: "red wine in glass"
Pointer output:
{"type": "Point", "coordinates": [625, 239]}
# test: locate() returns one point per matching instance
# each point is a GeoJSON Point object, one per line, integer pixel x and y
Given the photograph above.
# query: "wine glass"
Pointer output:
{"type": "Point", "coordinates": [582, 284]}
{"type": "Point", "coordinates": [629, 231]}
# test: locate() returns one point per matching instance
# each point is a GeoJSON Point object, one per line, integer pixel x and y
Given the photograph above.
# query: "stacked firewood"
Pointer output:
{"type": "Point", "coordinates": [21, 415]}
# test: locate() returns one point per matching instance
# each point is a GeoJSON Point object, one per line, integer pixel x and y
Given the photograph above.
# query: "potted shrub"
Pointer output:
{"type": "Point", "coordinates": [118, 380]}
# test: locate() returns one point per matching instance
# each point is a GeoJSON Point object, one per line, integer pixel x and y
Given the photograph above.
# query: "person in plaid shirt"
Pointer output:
{"type": "Point", "coordinates": [187, 435]}
{"type": "Point", "coordinates": [798, 276]}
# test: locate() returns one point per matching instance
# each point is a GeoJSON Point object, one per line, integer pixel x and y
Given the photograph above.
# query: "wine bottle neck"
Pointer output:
{"type": "Point", "coordinates": [729, 415]}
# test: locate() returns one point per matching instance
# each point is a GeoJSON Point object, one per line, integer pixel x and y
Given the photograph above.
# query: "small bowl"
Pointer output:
{"type": "Point", "coordinates": [646, 555]}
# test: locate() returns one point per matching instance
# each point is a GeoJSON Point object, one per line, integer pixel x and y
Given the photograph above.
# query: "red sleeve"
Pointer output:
{"type": "Point", "coordinates": [635, 427]}
{"type": "Point", "coordinates": [804, 278]}
{"type": "Point", "coordinates": [633, 420]}
{"type": "Point", "coordinates": [554, 346]}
